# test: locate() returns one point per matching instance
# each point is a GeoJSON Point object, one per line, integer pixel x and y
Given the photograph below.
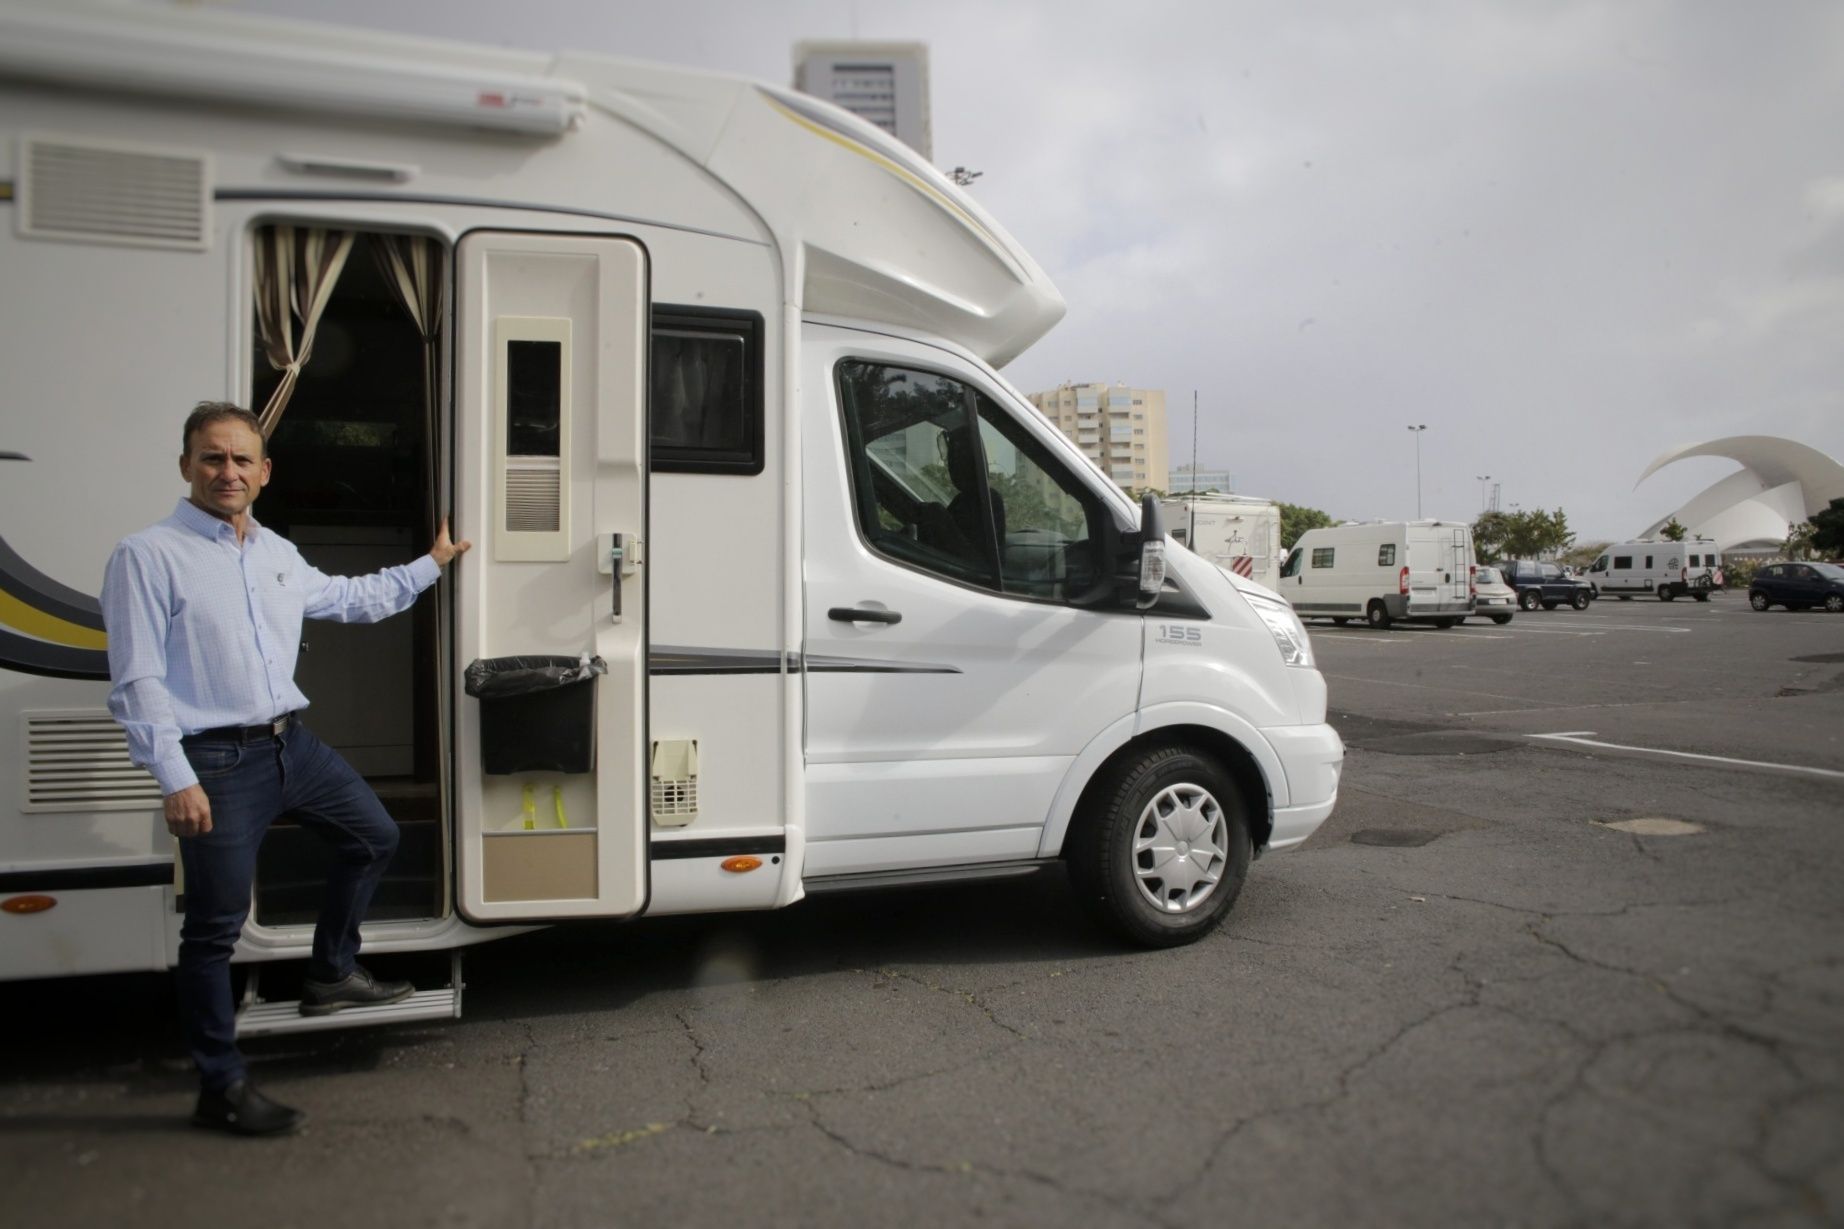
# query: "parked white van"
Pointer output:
{"type": "Point", "coordinates": [867, 618]}
{"type": "Point", "coordinates": [1648, 567]}
{"type": "Point", "coordinates": [1238, 532]}
{"type": "Point", "coordinates": [1382, 572]}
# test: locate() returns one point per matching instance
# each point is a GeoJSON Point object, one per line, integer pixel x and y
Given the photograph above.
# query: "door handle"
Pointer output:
{"type": "Point", "coordinates": [860, 614]}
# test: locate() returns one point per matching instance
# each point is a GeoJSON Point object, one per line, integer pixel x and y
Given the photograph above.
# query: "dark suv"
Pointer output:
{"type": "Point", "coordinates": [1545, 585]}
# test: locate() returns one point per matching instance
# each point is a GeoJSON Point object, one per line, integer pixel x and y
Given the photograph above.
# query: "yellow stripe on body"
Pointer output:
{"type": "Point", "coordinates": [39, 625]}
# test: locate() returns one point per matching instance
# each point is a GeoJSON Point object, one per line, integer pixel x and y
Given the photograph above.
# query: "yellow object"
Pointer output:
{"type": "Point", "coordinates": [530, 809]}
{"type": "Point", "coordinates": [557, 805]}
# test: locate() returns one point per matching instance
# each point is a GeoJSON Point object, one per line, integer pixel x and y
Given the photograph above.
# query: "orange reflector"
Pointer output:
{"type": "Point", "coordinates": [28, 904]}
{"type": "Point", "coordinates": [741, 863]}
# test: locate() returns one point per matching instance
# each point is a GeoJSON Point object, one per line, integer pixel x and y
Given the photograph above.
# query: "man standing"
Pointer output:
{"type": "Point", "coordinates": [204, 613]}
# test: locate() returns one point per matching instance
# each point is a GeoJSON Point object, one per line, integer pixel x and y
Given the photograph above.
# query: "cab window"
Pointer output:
{"type": "Point", "coordinates": [945, 481]}
{"type": "Point", "coordinates": [1292, 566]}
{"type": "Point", "coordinates": [1322, 556]}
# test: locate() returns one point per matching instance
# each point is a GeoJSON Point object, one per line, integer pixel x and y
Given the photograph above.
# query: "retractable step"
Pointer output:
{"type": "Point", "coordinates": [257, 1018]}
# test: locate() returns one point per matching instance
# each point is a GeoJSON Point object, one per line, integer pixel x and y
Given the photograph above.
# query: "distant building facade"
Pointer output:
{"type": "Point", "coordinates": [1780, 484]}
{"type": "Point", "coordinates": [1121, 429]}
{"type": "Point", "coordinates": [885, 83]}
{"type": "Point", "coordinates": [1187, 480]}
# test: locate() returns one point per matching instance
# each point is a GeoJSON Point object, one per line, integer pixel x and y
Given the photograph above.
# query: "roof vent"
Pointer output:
{"type": "Point", "coordinates": [98, 192]}
{"type": "Point", "coordinates": [77, 760]}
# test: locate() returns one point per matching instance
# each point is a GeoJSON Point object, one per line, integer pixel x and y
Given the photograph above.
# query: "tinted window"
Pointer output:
{"type": "Point", "coordinates": [1623, 561]}
{"type": "Point", "coordinates": [1386, 555]}
{"type": "Point", "coordinates": [945, 481]}
{"type": "Point", "coordinates": [1292, 566]}
{"type": "Point", "coordinates": [534, 391]}
{"type": "Point", "coordinates": [705, 391]}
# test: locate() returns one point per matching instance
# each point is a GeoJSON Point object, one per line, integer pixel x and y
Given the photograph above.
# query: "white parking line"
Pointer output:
{"type": "Point", "coordinates": [1579, 738]}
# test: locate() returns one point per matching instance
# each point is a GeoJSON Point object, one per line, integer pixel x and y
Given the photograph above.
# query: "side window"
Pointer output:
{"type": "Point", "coordinates": [1623, 561]}
{"type": "Point", "coordinates": [1648, 562]}
{"type": "Point", "coordinates": [1600, 565]}
{"type": "Point", "coordinates": [1549, 571]}
{"type": "Point", "coordinates": [1322, 556]}
{"type": "Point", "coordinates": [1386, 555]}
{"type": "Point", "coordinates": [705, 391]}
{"type": "Point", "coordinates": [946, 481]}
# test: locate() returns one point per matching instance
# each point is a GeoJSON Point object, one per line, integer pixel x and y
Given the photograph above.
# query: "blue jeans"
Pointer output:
{"type": "Point", "coordinates": [250, 784]}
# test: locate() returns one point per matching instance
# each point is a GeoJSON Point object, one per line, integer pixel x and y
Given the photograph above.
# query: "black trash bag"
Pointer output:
{"type": "Point", "coordinates": [535, 713]}
{"type": "Point", "coordinates": [492, 678]}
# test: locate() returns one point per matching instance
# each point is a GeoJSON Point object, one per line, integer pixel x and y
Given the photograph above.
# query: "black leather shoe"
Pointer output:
{"type": "Point", "coordinates": [356, 989]}
{"type": "Point", "coordinates": [241, 1110]}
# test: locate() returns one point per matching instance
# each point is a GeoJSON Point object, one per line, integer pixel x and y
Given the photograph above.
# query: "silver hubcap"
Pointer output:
{"type": "Point", "coordinates": [1180, 847]}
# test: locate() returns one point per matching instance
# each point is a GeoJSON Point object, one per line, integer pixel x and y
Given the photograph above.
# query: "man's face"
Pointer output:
{"type": "Point", "coordinates": [225, 464]}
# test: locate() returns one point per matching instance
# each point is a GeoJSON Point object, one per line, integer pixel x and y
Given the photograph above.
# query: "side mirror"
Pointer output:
{"type": "Point", "coordinates": [1152, 552]}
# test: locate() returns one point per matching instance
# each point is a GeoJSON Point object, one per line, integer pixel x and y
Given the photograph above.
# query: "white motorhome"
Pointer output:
{"type": "Point", "coordinates": [706, 370]}
{"type": "Point", "coordinates": [1657, 567]}
{"type": "Point", "coordinates": [1383, 572]}
{"type": "Point", "coordinates": [1237, 532]}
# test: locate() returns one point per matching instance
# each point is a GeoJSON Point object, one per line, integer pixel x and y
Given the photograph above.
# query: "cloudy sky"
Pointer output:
{"type": "Point", "coordinates": [1564, 234]}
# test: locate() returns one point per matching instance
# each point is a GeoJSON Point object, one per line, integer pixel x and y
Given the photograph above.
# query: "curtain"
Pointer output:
{"type": "Point", "coordinates": [296, 268]}
{"type": "Point", "coordinates": [412, 268]}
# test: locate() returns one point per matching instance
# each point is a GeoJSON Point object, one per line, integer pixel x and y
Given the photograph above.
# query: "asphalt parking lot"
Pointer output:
{"type": "Point", "coordinates": [1569, 952]}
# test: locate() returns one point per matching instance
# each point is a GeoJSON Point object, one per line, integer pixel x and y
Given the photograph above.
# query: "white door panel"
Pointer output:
{"type": "Point", "coordinates": [958, 718]}
{"type": "Point", "coordinates": [552, 458]}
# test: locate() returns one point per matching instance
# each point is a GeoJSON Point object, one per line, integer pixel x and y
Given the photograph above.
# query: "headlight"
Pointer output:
{"type": "Point", "coordinates": [1285, 626]}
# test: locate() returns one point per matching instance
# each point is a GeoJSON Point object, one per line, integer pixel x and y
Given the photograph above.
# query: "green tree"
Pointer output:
{"type": "Point", "coordinates": [1296, 520]}
{"type": "Point", "coordinates": [1674, 532]}
{"type": "Point", "coordinates": [1829, 524]}
{"type": "Point", "coordinates": [1490, 533]}
{"type": "Point", "coordinates": [1521, 535]}
{"type": "Point", "coordinates": [1799, 540]}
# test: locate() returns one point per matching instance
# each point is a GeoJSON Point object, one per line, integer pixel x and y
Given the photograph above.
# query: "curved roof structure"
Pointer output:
{"type": "Point", "coordinates": [1781, 483]}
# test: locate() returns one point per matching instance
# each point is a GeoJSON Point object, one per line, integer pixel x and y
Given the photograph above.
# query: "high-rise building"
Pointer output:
{"type": "Point", "coordinates": [885, 83]}
{"type": "Point", "coordinates": [1187, 479]}
{"type": "Point", "coordinates": [1121, 429]}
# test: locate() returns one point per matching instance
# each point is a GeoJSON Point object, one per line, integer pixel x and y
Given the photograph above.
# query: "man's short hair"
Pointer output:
{"type": "Point", "coordinates": [207, 412]}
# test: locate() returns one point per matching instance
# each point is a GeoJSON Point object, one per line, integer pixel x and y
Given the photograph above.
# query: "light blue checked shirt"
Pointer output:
{"type": "Point", "coordinates": [204, 633]}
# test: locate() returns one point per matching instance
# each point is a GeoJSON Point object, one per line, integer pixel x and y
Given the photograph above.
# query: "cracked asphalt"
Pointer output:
{"type": "Point", "coordinates": [1466, 1000]}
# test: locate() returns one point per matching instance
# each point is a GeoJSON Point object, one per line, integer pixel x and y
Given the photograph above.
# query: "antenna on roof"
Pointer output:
{"type": "Point", "coordinates": [1191, 529]}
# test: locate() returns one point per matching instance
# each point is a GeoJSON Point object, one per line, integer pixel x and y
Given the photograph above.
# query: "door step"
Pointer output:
{"type": "Point", "coordinates": [257, 1018]}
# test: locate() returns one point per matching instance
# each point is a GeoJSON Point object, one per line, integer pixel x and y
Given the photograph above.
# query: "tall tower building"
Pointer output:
{"type": "Point", "coordinates": [1121, 429]}
{"type": "Point", "coordinates": [885, 83]}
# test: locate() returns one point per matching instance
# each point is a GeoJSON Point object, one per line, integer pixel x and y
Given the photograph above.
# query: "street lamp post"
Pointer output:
{"type": "Point", "coordinates": [1483, 479]}
{"type": "Point", "coordinates": [1417, 429]}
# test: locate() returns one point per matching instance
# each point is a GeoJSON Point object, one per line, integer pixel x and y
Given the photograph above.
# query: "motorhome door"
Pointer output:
{"type": "Point", "coordinates": [551, 477]}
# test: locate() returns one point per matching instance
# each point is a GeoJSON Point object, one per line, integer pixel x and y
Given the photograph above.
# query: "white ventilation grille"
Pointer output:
{"type": "Point", "coordinates": [87, 190]}
{"type": "Point", "coordinates": [534, 493]}
{"type": "Point", "coordinates": [78, 761]}
{"type": "Point", "coordinates": [675, 782]}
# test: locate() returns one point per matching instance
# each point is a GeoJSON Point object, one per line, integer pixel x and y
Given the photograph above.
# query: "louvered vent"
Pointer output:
{"type": "Point", "coordinates": [79, 189]}
{"type": "Point", "coordinates": [534, 489]}
{"type": "Point", "coordinates": [78, 761]}
{"type": "Point", "coordinates": [674, 786]}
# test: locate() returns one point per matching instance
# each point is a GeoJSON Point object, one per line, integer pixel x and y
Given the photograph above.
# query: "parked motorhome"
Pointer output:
{"type": "Point", "coordinates": [1382, 572]}
{"type": "Point", "coordinates": [1657, 567]}
{"type": "Point", "coordinates": [865, 616]}
{"type": "Point", "coordinates": [1237, 532]}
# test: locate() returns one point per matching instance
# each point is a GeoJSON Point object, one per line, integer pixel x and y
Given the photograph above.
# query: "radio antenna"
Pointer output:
{"type": "Point", "coordinates": [1191, 529]}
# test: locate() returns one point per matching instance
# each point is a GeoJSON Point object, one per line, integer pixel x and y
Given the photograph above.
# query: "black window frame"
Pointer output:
{"type": "Point", "coordinates": [1331, 557]}
{"type": "Point", "coordinates": [749, 460]}
{"type": "Point", "coordinates": [1386, 555]}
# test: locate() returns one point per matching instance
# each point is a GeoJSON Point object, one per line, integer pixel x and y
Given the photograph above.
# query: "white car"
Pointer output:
{"type": "Point", "coordinates": [1492, 597]}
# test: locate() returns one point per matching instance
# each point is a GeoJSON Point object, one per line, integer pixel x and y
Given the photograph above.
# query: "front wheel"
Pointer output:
{"type": "Point", "coordinates": [1501, 620]}
{"type": "Point", "coordinates": [1758, 601]}
{"type": "Point", "coordinates": [1160, 853]}
{"type": "Point", "coordinates": [1579, 601]}
{"type": "Point", "coordinates": [1377, 615]}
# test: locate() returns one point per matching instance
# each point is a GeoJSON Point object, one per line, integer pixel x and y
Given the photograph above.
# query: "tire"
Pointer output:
{"type": "Point", "coordinates": [1834, 602]}
{"type": "Point", "coordinates": [1446, 622]}
{"type": "Point", "coordinates": [1579, 601]}
{"type": "Point", "coordinates": [1124, 854]}
{"type": "Point", "coordinates": [1625, 598]}
{"type": "Point", "coordinates": [1528, 599]}
{"type": "Point", "coordinates": [1501, 620]}
{"type": "Point", "coordinates": [1666, 593]}
{"type": "Point", "coordinates": [1377, 615]}
{"type": "Point", "coordinates": [1759, 601]}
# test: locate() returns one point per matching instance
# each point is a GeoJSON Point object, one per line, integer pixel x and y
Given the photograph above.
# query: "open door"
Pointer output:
{"type": "Point", "coordinates": [551, 475]}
